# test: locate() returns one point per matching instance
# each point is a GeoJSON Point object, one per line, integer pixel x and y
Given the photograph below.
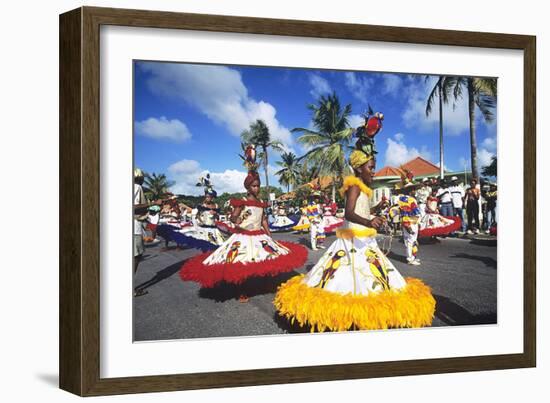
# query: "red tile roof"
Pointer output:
{"type": "Point", "coordinates": [418, 166]}
{"type": "Point", "coordinates": [389, 171]}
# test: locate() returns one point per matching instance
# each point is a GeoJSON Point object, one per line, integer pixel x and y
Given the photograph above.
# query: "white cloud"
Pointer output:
{"type": "Point", "coordinates": [484, 157]}
{"type": "Point", "coordinates": [391, 84]}
{"type": "Point", "coordinates": [455, 118]}
{"type": "Point", "coordinates": [397, 153]}
{"type": "Point", "coordinates": [218, 92]}
{"type": "Point", "coordinates": [187, 172]}
{"type": "Point", "coordinates": [356, 120]}
{"type": "Point", "coordinates": [358, 85]}
{"type": "Point", "coordinates": [184, 167]}
{"type": "Point", "coordinates": [399, 136]}
{"type": "Point", "coordinates": [490, 143]}
{"type": "Point", "coordinates": [319, 84]}
{"type": "Point", "coordinates": [163, 128]}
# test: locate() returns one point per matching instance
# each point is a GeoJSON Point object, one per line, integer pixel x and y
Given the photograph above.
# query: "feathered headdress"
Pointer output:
{"type": "Point", "coordinates": [364, 147]}
{"type": "Point", "coordinates": [407, 180]}
{"type": "Point", "coordinates": [204, 181]}
{"type": "Point", "coordinates": [249, 161]}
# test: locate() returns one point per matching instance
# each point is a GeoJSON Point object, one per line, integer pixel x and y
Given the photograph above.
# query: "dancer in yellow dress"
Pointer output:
{"type": "Point", "coordinates": [354, 285]}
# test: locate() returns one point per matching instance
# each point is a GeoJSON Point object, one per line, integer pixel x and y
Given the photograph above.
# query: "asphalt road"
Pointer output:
{"type": "Point", "coordinates": [462, 275]}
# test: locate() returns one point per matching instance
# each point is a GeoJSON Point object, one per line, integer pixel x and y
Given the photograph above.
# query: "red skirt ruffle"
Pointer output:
{"type": "Point", "coordinates": [210, 275]}
{"type": "Point", "coordinates": [441, 231]}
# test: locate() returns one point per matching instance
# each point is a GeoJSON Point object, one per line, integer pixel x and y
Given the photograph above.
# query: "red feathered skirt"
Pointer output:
{"type": "Point", "coordinates": [436, 225]}
{"type": "Point", "coordinates": [243, 256]}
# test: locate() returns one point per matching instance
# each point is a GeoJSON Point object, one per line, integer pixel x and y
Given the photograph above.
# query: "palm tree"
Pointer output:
{"type": "Point", "coordinates": [258, 134]}
{"type": "Point", "coordinates": [482, 92]}
{"type": "Point", "coordinates": [441, 90]}
{"type": "Point", "coordinates": [491, 169]}
{"type": "Point", "coordinates": [156, 186]}
{"type": "Point", "coordinates": [330, 139]}
{"type": "Point", "coordinates": [290, 172]}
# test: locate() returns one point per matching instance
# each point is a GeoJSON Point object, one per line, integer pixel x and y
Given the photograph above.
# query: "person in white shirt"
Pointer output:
{"type": "Point", "coordinates": [445, 200]}
{"type": "Point", "coordinates": [457, 195]}
{"type": "Point", "coordinates": [140, 214]}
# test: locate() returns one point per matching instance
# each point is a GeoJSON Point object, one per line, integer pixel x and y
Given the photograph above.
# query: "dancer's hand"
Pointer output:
{"type": "Point", "coordinates": [377, 222]}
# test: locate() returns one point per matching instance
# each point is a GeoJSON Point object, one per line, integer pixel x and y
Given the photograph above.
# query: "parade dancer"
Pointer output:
{"type": "Point", "coordinates": [281, 221]}
{"type": "Point", "coordinates": [250, 251]}
{"type": "Point", "coordinates": [410, 217]}
{"type": "Point", "coordinates": [354, 285]}
{"type": "Point", "coordinates": [203, 234]}
{"type": "Point", "coordinates": [315, 217]}
{"type": "Point", "coordinates": [433, 224]}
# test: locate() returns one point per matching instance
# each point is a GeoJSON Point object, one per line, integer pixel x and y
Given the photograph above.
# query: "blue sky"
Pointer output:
{"type": "Point", "coordinates": [187, 118]}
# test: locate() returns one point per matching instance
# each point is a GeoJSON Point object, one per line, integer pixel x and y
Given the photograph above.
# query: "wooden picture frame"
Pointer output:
{"type": "Point", "coordinates": [80, 188]}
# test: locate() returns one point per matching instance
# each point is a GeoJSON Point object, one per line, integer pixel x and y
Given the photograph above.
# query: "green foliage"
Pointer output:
{"type": "Point", "coordinates": [330, 140]}
{"type": "Point", "coordinates": [491, 169]}
{"type": "Point", "coordinates": [156, 186]}
{"type": "Point", "coordinates": [259, 135]}
{"type": "Point", "coordinates": [289, 175]}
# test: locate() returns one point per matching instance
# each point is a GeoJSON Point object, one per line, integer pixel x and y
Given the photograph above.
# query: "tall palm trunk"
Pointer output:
{"type": "Point", "coordinates": [473, 141]}
{"type": "Point", "coordinates": [441, 171]}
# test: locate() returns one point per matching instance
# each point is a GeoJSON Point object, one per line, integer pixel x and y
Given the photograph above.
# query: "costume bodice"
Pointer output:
{"type": "Point", "coordinates": [251, 217]}
{"type": "Point", "coordinates": [362, 209]}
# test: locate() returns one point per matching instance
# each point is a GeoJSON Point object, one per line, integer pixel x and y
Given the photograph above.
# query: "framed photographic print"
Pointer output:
{"type": "Point", "coordinates": [251, 201]}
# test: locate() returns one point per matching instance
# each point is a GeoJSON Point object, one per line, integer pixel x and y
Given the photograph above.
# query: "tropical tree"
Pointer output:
{"type": "Point", "coordinates": [156, 186]}
{"type": "Point", "coordinates": [259, 135]}
{"type": "Point", "coordinates": [482, 92]}
{"type": "Point", "coordinates": [289, 174]}
{"type": "Point", "coordinates": [330, 138]}
{"type": "Point", "coordinates": [491, 169]}
{"type": "Point", "coordinates": [441, 90]}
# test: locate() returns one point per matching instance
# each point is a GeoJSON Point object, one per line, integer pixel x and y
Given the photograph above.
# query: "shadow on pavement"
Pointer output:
{"type": "Point", "coordinates": [250, 287]}
{"type": "Point", "coordinates": [285, 325]}
{"type": "Point", "coordinates": [488, 261]}
{"type": "Point", "coordinates": [399, 258]}
{"type": "Point", "coordinates": [160, 276]}
{"type": "Point", "coordinates": [453, 314]}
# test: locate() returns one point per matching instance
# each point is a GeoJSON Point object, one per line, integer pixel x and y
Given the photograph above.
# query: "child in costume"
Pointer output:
{"type": "Point", "coordinates": [314, 214]}
{"type": "Point", "coordinates": [410, 217]}
{"type": "Point", "coordinates": [354, 285]}
{"type": "Point", "coordinates": [250, 251]}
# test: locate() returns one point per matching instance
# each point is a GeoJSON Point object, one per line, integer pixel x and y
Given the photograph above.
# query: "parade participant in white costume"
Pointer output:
{"type": "Point", "coordinates": [314, 214]}
{"type": "Point", "coordinates": [422, 195]}
{"type": "Point", "coordinates": [354, 285]}
{"type": "Point", "coordinates": [409, 214]}
{"type": "Point", "coordinates": [250, 251]}
{"type": "Point", "coordinates": [281, 221]}
{"type": "Point", "coordinates": [433, 224]}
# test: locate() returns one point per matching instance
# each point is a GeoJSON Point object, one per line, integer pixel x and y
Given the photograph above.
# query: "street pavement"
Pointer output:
{"type": "Point", "coordinates": [461, 273]}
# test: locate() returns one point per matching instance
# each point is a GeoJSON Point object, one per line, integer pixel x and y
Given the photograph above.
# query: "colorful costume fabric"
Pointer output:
{"type": "Point", "coordinates": [434, 224]}
{"type": "Point", "coordinates": [410, 217]}
{"type": "Point", "coordinates": [316, 229]}
{"type": "Point", "coordinates": [248, 252]}
{"type": "Point", "coordinates": [281, 222]}
{"type": "Point", "coordinates": [330, 222]}
{"type": "Point", "coordinates": [354, 285]}
{"type": "Point", "coordinates": [303, 223]}
{"type": "Point", "coordinates": [204, 228]}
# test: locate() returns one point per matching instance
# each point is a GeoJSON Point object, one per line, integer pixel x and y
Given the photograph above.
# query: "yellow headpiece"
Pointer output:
{"type": "Point", "coordinates": [358, 158]}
